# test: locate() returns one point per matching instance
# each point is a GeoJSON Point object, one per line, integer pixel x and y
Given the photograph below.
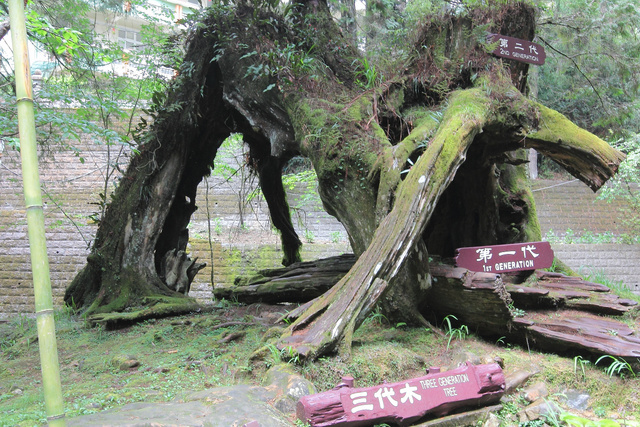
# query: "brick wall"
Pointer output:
{"type": "Point", "coordinates": [72, 194]}
{"type": "Point", "coordinates": [619, 263]}
{"type": "Point", "coordinates": [570, 204]}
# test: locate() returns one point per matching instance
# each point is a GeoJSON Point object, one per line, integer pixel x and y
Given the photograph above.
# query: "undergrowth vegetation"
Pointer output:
{"type": "Point", "coordinates": [159, 360]}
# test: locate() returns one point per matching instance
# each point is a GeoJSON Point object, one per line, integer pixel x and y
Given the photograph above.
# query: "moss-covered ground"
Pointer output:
{"type": "Point", "coordinates": [213, 348]}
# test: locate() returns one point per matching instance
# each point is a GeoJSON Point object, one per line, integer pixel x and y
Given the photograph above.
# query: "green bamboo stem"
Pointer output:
{"type": "Point", "coordinates": [35, 220]}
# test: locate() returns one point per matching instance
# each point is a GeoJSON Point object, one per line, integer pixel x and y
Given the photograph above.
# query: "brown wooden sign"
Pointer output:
{"type": "Point", "coordinates": [518, 49]}
{"type": "Point", "coordinates": [505, 258]}
{"type": "Point", "coordinates": [437, 393]}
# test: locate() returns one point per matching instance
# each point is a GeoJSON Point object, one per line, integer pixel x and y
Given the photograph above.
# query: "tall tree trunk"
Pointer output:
{"type": "Point", "coordinates": [141, 242]}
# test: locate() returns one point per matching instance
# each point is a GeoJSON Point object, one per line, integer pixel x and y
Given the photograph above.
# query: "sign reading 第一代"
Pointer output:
{"type": "Point", "coordinates": [518, 49]}
{"type": "Point", "coordinates": [505, 258]}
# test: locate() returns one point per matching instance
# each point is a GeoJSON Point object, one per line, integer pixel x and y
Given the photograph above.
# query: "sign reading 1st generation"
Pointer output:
{"type": "Point", "coordinates": [518, 49]}
{"type": "Point", "coordinates": [505, 258]}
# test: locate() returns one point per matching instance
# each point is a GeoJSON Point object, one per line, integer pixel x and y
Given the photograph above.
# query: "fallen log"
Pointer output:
{"type": "Point", "coordinates": [549, 290]}
{"type": "Point", "coordinates": [300, 282]}
{"type": "Point", "coordinates": [477, 299]}
{"type": "Point", "coordinates": [550, 311]}
{"type": "Point", "coordinates": [436, 394]}
{"type": "Point", "coordinates": [577, 333]}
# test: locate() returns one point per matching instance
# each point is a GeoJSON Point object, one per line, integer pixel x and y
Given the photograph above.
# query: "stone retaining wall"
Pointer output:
{"type": "Point", "coordinates": [72, 194]}
{"type": "Point", "coordinates": [618, 263]}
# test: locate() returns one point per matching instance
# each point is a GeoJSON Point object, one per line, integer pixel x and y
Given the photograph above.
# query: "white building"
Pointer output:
{"type": "Point", "coordinates": [124, 27]}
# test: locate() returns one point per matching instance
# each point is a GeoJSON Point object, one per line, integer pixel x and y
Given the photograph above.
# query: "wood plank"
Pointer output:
{"type": "Point", "coordinates": [564, 341]}
{"type": "Point", "coordinates": [573, 332]}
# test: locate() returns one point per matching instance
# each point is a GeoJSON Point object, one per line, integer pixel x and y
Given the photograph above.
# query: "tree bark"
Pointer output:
{"type": "Point", "coordinates": [470, 113]}
{"type": "Point", "coordinates": [420, 164]}
{"type": "Point", "coordinates": [334, 316]}
{"type": "Point", "coordinates": [138, 257]}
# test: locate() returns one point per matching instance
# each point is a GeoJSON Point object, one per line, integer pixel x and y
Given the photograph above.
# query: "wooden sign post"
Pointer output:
{"type": "Point", "coordinates": [505, 258]}
{"type": "Point", "coordinates": [518, 49]}
{"type": "Point", "coordinates": [405, 402]}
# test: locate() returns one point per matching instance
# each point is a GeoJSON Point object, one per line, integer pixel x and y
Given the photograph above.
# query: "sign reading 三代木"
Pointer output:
{"type": "Point", "coordinates": [408, 398]}
{"type": "Point", "coordinates": [437, 393]}
{"type": "Point", "coordinates": [402, 397]}
{"type": "Point", "coordinates": [505, 258]}
{"type": "Point", "coordinates": [518, 49]}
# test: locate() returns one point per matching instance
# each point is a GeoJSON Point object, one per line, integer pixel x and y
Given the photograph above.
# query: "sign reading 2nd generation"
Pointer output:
{"type": "Point", "coordinates": [518, 49]}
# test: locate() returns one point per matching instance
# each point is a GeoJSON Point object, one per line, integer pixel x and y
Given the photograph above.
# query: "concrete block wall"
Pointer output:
{"type": "Point", "coordinates": [619, 263]}
{"type": "Point", "coordinates": [72, 193]}
{"type": "Point", "coordinates": [570, 204]}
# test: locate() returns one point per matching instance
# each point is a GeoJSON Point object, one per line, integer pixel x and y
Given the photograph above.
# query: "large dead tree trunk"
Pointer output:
{"type": "Point", "coordinates": [334, 316]}
{"type": "Point", "coordinates": [138, 266]}
{"type": "Point", "coordinates": [469, 119]}
{"type": "Point", "coordinates": [424, 162]}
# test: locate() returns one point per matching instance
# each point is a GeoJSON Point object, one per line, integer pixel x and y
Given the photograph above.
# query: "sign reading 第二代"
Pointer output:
{"type": "Point", "coordinates": [505, 258]}
{"type": "Point", "coordinates": [518, 49]}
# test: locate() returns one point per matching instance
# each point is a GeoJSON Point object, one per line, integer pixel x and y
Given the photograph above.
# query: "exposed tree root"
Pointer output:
{"type": "Point", "coordinates": [153, 307]}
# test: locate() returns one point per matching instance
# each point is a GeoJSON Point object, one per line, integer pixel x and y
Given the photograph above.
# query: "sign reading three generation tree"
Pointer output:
{"type": "Point", "coordinates": [435, 394]}
{"type": "Point", "coordinates": [505, 258]}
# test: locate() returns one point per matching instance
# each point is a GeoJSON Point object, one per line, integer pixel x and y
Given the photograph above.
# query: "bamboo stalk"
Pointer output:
{"type": "Point", "coordinates": [35, 220]}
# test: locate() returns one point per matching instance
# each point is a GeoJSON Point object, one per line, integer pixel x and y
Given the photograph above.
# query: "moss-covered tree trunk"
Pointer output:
{"type": "Point", "coordinates": [144, 231]}
{"type": "Point", "coordinates": [138, 266]}
{"type": "Point", "coordinates": [421, 163]}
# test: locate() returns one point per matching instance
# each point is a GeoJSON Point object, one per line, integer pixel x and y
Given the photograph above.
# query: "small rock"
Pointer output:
{"type": "Point", "coordinates": [511, 419]}
{"type": "Point", "coordinates": [492, 421]}
{"type": "Point", "coordinates": [291, 387]}
{"type": "Point", "coordinates": [493, 359]}
{"type": "Point", "coordinates": [129, 364]}
{"type": "Point", "coordinates": [518, 378]}
{"type": "Point", "coordinates": [459, 359]}
{"type": "Point", "coordinates": [271, 317]}
{"type": "Point", "coordinates": [124, 363]}
{"type": "Point", "coordinates": [17, 390]}
{"type": "Point", "coordinates": [576, 399]}
{"type": "Point", "coordinates": [538, 409]}
{"type": "Point", "coordinates": [535, 392]}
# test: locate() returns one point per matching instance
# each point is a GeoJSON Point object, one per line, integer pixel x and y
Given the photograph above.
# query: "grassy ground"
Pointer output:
{"type": "Point", "coordinates": [213, 348]}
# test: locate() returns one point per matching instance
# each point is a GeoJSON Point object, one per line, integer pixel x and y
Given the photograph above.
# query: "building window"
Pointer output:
{"type": "Point", "coordinates": [129, 39]}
